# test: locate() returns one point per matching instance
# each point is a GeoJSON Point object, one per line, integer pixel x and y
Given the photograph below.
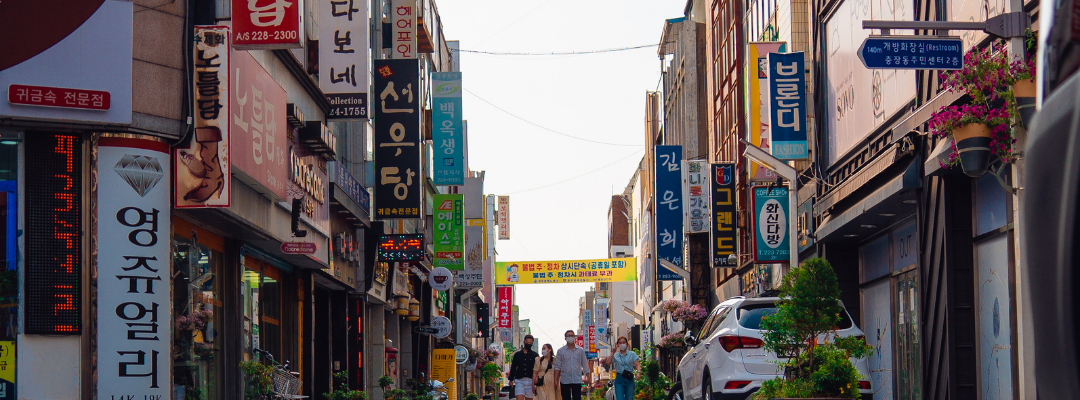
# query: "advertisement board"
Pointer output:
{"type": "Point", "coordinates": [134, 341]}
{"type": "Point", "coordinates": [259, 128]}
{"type": "Point", "coordinates": [725, 215]}
{"type": "Point", "coordinates": [446, 130]}
{"type": "Point", "coordinates": [696, 196]}
{"type": "Point", "coordinates": [506, 302]}
{"type": "Point", "coordinates": [669, 215]}
{"type": "Point", "coordinates": [449, 231]}
{"type": "Point", "coordinates": [771, 225]}
{"type": "Point", "coordinates": [787, 106]}
{"type": "Point", "coordinates": [504, 217]}
{"type": "Point", "coordinates": [203, 171]}
{"type": "Point", "coordinates": [572, 271]}
{"type": "Point", "coordinates": [472, 276]}
{"type": "Point", "coordinates": [397, 140]}
{"type": "Point", "coordinates": [309, 182]}
{"type": "Point", "coordinates": [403, 15]}
{"type": "Point", "coordinates": [757, 93]}
{"type": "Point", "coordinates": [343, 57]}
{"type": "Point", "coordinates": [443, 367]}
{"type": "Point", "coordinates": [268, 24]}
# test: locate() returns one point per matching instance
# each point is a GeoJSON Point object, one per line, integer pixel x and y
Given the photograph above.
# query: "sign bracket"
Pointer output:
{"type": "Point", "coordinates": [1007, 25]}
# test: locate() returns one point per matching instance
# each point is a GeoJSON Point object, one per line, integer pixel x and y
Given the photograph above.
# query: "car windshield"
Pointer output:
{"type": "Point", "coordinates": [750, 316]}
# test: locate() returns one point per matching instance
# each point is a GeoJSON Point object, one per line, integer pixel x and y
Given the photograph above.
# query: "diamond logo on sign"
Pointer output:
{"type": "Point", "coordinates": [142, 173]}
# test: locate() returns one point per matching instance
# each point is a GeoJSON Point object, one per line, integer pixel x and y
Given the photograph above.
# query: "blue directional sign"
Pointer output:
{"type": "Point", "coordinates": [912, 52]}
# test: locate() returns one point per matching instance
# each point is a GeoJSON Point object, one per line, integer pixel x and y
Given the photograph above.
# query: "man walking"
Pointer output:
{"type": "Point", "coordinates": [570, 364]}
{"type": "Point", "coordinates": [521, 369]}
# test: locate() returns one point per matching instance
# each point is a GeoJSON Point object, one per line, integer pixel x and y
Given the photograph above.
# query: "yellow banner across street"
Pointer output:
{"type": "Point", "coordinates": [568, 271]}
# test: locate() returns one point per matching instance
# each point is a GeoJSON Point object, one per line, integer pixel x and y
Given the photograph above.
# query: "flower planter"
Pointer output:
{"type": "Point", "coordinates": [973, 147]}
{"type": "Point", "coordinates": [1024, 93]}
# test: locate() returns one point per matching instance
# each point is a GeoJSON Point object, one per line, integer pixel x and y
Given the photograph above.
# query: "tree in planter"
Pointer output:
{"type": "Point", "coordinates": [652, 384]}
{"type": "Point", "coordinates": [491, 374]}
{"type": "Point", "coordinates": [391, 394]}
{"type": "Point", "coordinates": [809, 310]}
{"type": "Point", "coordinates": [343, 392]}
{"type": "Point", "coordinates": [258, 378]}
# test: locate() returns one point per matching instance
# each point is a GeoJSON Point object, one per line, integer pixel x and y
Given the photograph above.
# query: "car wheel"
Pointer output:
{"type": "Point", "coordinates": [676, 392]}
{"type": "Point", "coordinates": [706, 388]}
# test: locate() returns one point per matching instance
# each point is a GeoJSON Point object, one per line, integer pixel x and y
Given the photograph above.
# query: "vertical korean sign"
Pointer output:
{"type": "Point", "coordinates": [343, 57]}
{"type": "Point", "coordinates": [771, 225]}
{"type": "Point", "coordinates": [506, 300]}
{"type": "Point", "coordinates": [267, 24]}
{"type": "Point", "coordinates": [725, 214]}
{"type": "Point", "coordinates": [757, 94]}
{"type": "Point", "coordinates": [203, 164]}
{"type": "Point", "coordinates": [696, 196]}
{"type": "Point", "coordinates": [134, 302]}
{"type": "Point", "coordinates": [592, 342]}
{"type": "Point", "coordinates": [504, 217]}
{"type": "Point", "coordinates": [669, 214]}
{"type": "Point", "coordinates": [397, 139]}
{"type": "Point", "coordinates": [446, 130]}
{"type": "Point", "coordinates": [259, 127]}
{"type": "Point", "coordinates": [472, 275]}
{"type": "Point", "coordinates": [787, 109]}
{"type": "Point", "coordinates": [403, 29]}
{"type": "Point", "coordinates": [449, 231]}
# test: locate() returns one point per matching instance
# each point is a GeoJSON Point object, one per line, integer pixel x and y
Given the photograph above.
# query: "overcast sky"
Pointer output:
{"type": "Point", "coordinates": [559, 187]}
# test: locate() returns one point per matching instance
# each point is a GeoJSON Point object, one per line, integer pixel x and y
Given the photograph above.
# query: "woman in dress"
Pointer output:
{"type": "Point", "coordinates": [543, 369]}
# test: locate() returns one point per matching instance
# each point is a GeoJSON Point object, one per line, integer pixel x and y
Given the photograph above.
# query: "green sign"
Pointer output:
{"type": "Point", "coordinates": [449, 231]}
{"type": "Point", "coordinates": [771, 216]}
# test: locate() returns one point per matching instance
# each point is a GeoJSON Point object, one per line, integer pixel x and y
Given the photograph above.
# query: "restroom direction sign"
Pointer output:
{"type": "Point", "coordinates": [912, 52]}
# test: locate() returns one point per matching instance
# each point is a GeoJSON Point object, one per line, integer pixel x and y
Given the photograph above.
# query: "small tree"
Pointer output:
{"type": "Point", "coordinates": [343, 393]}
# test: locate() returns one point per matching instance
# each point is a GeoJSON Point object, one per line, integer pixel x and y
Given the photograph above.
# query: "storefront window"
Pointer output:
{"type": "Point", "coordinates": [266, 321]}
{"type": "Point", "coordinates": [197, 306]}
{"type": "Point", "coordinates": [9, 277]}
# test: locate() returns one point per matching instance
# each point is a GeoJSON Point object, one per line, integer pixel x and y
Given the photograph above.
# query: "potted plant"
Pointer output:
{"type": "Point", "coordinates": [689, 313]}
{"type": "Point", "coordinates": [671, 340]}
{"type": "Point", "coordinates": [258, 378]}
{"type": "Point", "coordinates": [652, 384]}
{"type": "Point", "coordinates": [1023, 88]}
{"type": "Point", "coordinates": [810, 309]}
{"type": "Point", "coordinates": [343, 392]}
{"type": "Point", "coordinates": [976, 130]}
{"type": "Point", "coordinates": [391, 394]}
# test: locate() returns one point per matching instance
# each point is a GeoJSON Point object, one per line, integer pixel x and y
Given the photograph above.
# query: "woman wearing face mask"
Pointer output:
{"type": "Point", "coordinates": [625, 364]}
{"type": "Point", "coordinates": [544, 376]}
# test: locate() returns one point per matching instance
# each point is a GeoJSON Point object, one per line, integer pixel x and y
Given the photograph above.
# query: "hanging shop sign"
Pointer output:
{"type": "Point", "coordinates": [443, 368]}
{"type": "Point", "coordinates": [466, 322]}
{"type": "Point", "coordinates": [472, 276]}
{"type": "Point", "coordinates": [725, 215]}
{"type": "Point", "coordinates": [572, 271]}
{"type": "Point", "coordinates": [461, 354]}
{"type": "Point", "coordinates": [403, 29]}
{"type": "Point", "coordinates": [669, 215]}
{"type": "Point", "coordinates": [348, 184]}
{"type": "Point", "coordinates": [787, 107]}
{"type": "Point", "coordinates": [506, 302]}
{"type": "Point", "coordinates": [133, 298]}
{"type": "Point", "coordinates": [449, 231]}
{"type": "Point", "coordinates": [771, 225]}
{"type": "Point", "coordinates": [401, 247]}
{"type": "Point", "coordinates": [441, 279]}
{"type": "Point", "coordinates": [592, 342]}
{"type": "Point", "coordinates": [260, 127]}
{"type": "Point", "coordinates": [443, 325]}
{"type": "Point", "coordinates": [446, 129]}
{"type": "Point", "coordinates": [267, 24]}
{"type": "Point", "coordinates": [504, 217]}
{"type": "Point", "coordinates": [202, 170]}
{"type": "Point", "coordinates": [696, 196]}
{"type": "Point", "coordinates": [757, 94]}
{"type": "Point", "coordinates": [397, 140]}
{"type": "Point", "coordinates": [343, 60]}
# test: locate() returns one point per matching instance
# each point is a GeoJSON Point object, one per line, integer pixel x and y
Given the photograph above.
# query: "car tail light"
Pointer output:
{"type": "Point", "coordinates": [731, 343]}
{"type": "Point", "coordinates": [736, 384]}
{"type": "Point", "coordinates": [864, 385]}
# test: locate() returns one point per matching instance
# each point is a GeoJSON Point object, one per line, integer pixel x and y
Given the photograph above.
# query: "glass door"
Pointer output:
{"type": "Point", "coordinates": [908, 371]}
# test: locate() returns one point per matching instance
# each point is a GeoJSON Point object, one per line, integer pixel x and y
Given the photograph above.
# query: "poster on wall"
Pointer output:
{"type": "Point", "coordinates": [771, 225]}
{"type": "Point", "coordinates": [343, 61]}
{"type": "Point", "coordinates": [449, 231]}
{"type": "Point", "coordinates": [259, 127]}
{"type": "Point", "coordinates": [134, 311]}
{"type": "Point", "coordinates": [397, 140]}
{"type": "Point", "coordinates": [787, 106]}
{"type": "Point", "coordinates": [696, 196]}
{"type": "Point", "coordinates": [669, 214]}
{"type": "Point", "coordinates": [203, 172]}
{"type": "Point", "coordinates": [757, 93]}
{"type": "Point", "coordinates": [446, 130]}
{"type": "Point", "coordinates": [724, 214]}
{"type": "Point", "coordinates": [268, 24]}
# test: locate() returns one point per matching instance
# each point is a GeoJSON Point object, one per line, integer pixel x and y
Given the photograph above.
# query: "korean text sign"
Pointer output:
{"type": "Point", "coordinates": [758, 102]}
{"type": "Point", "coordinates": [343, 60]}
{"type": "Point", "coordinates": [725, 214]}
{"type": "Point", "coordinates": [771, 225]}
{"type": "Point", "coordinates": [259, 128]}
{"type": "Point", "coordinates": [134, 300]}
{"type": "Point", "coordinates": [203, 170]}
{"type": "Point", "coordinates": [403, 29]}
{"type": "Point", "coordinates": [506, 301]}
{"type": "Point", "coordinates": [267, 24]}
{"type": "Point", "coordinates": [669, 214]}
{"type": "Point", "coordinates": [504, 217]}
{"type": "Point", "coordinates": [696, 196]}
{"type": "Point", "coordinates": [567, 271]}
{"type": "Point", "coordinates": [472, 276]}
{"type": "Point", "coordinates": [446, 132]}
{"type": "Point", "coordinates": [787, 109]}
{"type": "Point", "coordinates": [444, 367]}
{"type": "Point", "coordinates": [449, 231]}
{"type": "Point", "coordinates": [397, 139]}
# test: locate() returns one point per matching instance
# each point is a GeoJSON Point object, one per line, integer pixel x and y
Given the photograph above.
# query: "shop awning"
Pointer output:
{"type": "Point", "coordinates": [892, 202]}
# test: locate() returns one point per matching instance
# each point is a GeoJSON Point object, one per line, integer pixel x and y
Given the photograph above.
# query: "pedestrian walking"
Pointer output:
{"type": "Point", "coordinates": [626, 365]}
{"type": "Point", "coordinates": [521, 369]}
{"type": "Point", "coordinates": [570, 365]}
{"type": "Point", "coordinates": [547, 387]}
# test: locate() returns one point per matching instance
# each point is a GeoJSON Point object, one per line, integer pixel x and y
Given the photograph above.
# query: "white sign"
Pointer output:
{"type": "Point", "coordinates": [443, 325]}
{"type": "Point", "coordinates": [403, 29]}
{"type": "Point", "coordinates": [860, 99]}
{"type": "Point", "coordinates": [473, 274]}
{"type": "Point", "coordinates": [343, 57]}
{"type": "Point", "coordinates": [461, 354]}
{"type": "Point", "coordinates": [696, 190]}
{"type": "Point", "coordinates": [134, 310]}
{"type": "Point", "coordinates": [441, 279]}
{"type": "Point", "coordinates": [504, 217]}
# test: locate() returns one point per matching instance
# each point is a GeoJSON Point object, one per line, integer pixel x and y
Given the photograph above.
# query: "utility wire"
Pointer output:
{"type": "Point", "coordinates": [557, 53]}
{"type": "Point", "coordinates": [515, 22]}
{"type": "Point", "coordinates": [546, 128]}
{"type": "Point", "coordinates": [578, 176]}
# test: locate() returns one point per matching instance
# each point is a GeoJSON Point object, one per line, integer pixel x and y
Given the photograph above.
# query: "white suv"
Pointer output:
{"type": "Point", "coordinates": [726, 360]}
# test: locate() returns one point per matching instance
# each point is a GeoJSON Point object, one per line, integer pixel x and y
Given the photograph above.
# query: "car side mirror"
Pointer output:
{"type": "Point", "coordinates": [688, 338]}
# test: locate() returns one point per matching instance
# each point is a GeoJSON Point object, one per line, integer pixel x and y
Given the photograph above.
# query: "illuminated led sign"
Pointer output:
{"type": "Point", "coordinates": [401, 247]}
{"type": "Point", "coordinates": [53, 286]}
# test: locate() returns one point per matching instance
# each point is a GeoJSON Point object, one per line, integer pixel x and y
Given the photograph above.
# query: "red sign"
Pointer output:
{"type": "Point", "coordinates": [506, 302]}
{"type": "Point", "coordinates": [298, 248]}
{"type": "Point", "coordinates": [259, 128]}
{"type": "Point", "coordinates": [266, 24]}
{"type": "Point", "coordinates": [580, 341]}
{"type": "Point", "coordinates": [58, 97]}
{"type": "Point", "coordinates": [592, 338]}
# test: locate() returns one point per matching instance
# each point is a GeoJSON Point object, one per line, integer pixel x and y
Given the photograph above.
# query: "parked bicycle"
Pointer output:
{"type": "Point", "coordinates": [286, 383]}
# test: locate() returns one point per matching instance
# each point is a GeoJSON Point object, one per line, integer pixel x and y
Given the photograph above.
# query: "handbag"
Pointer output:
{"type": "Point", "coordinates": [540, 382]}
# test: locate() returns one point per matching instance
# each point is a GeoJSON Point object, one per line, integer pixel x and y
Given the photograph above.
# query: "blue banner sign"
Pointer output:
{"type": "Point", "coordinates": [669, 214]}
{"type": "Point", "coordinates": [349, 185]}
{"type": "Point", "coordinates": [771, 225]}
{"type": "Point", "coordinates": [446, 132]}
{"type": "Point", "coordinates": [913, 52]}
{"type": "Point", "coordinates": [787, 105]}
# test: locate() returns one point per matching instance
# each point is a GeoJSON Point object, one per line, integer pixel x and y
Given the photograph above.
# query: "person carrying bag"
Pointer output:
{"type": "Point", "coordinates": [626, 365]}
{"type": "Point", "coordinates": [546, 387]}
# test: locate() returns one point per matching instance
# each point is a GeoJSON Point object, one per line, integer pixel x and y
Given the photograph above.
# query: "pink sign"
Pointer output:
{"type": "Point", "coordinates": [58, 97]}
{"type": "Point", "coordinates": [259, 126]}
{"type": "Point", "coordinates": [299, 248]}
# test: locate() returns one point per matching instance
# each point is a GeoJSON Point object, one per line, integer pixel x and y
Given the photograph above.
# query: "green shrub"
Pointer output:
{"type": "Point", "coordinates": [343, 393]}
